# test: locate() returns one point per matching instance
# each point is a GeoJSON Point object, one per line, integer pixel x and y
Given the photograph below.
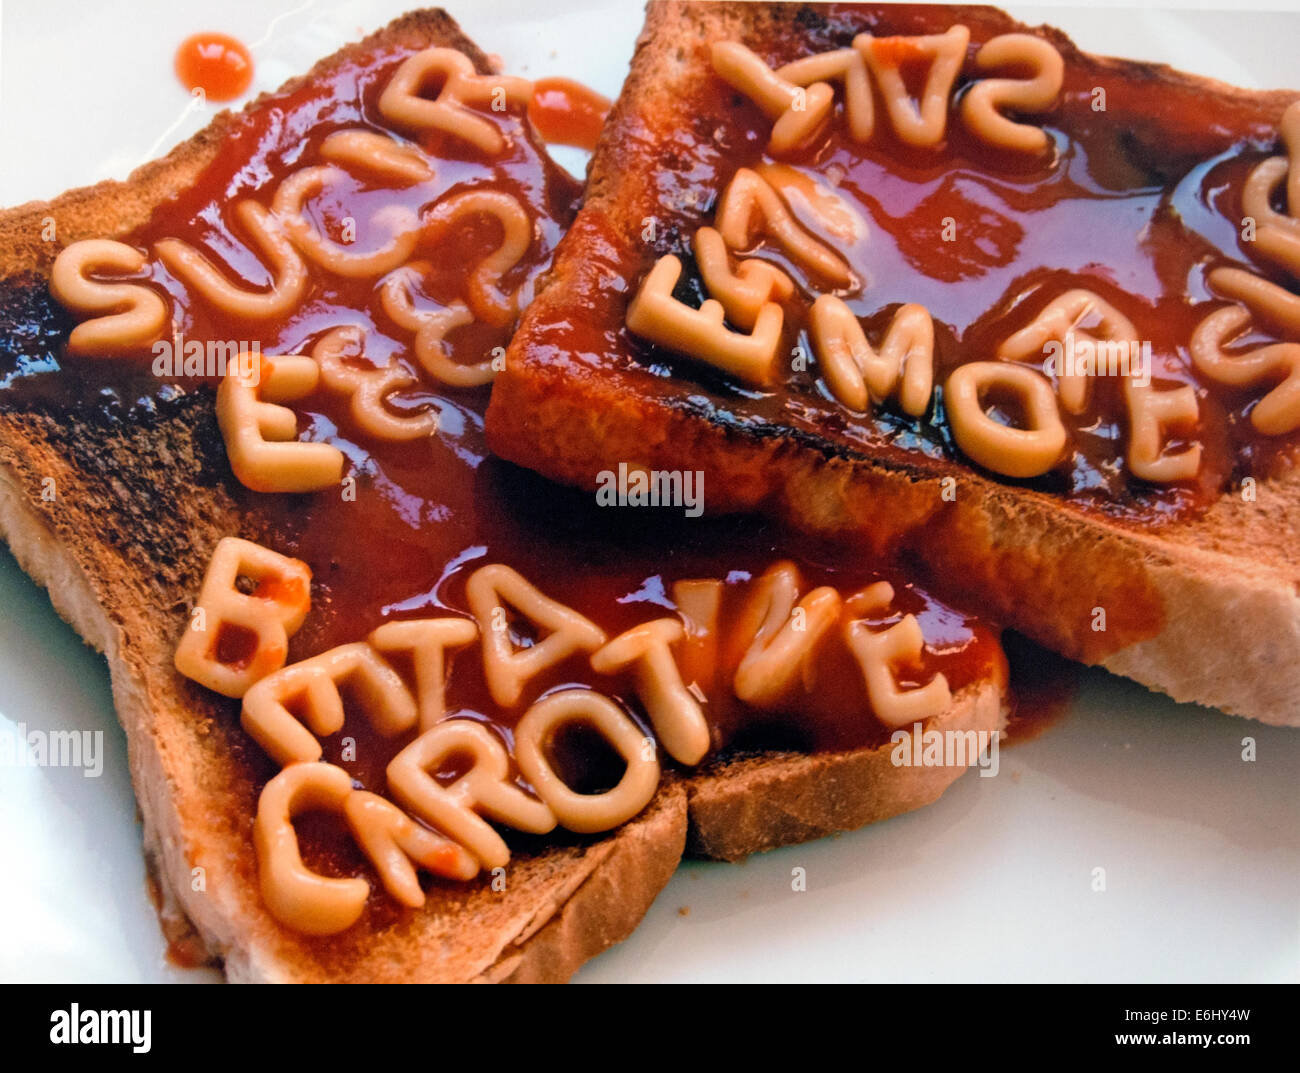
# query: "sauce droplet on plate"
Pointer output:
{"type": "Point", "coordinates": [567, 113]}
{"type": "Point", "coordinates": [217, 64]}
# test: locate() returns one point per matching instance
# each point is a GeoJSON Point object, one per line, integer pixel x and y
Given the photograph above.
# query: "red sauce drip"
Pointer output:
{"type": "Point", "coordinates": [218, 64]}
{"type": "Point", "coordinates": [567, 113]}
{"type": "Point", "coordinates": [1043, 689]}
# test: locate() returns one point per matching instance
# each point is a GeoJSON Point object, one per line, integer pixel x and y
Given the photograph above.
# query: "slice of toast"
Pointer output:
{"type": "Point", "coordinates": [142, 495]}
{"type": "Point", "coordinates": [1182, 600]}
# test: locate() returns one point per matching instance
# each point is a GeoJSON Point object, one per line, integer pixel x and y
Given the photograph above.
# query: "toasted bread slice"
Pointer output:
{"type": "Point", "coordinates": [1190, 599]}
{"type": "Point", "coordinates": [144, 493]}
{"type": "Point", "coordinates": [140, 509]}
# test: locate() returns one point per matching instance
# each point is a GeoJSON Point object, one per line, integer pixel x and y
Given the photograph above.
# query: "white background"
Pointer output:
{"type": "Point", "coordinates": [1201, 850]}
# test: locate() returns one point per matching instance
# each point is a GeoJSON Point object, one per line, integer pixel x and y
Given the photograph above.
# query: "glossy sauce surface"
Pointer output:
{"type": "Point", "coordinates": [1136, 202]}
{"type": "Point", "coordinates": [427, 513]}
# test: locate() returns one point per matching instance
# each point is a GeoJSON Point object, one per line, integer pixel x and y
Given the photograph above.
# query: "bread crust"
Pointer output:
{"type": "Point", "coordinates": [122, 549]}
{"type": "Point", "coordinates": [761, 802]}
{"type": "Point", "coordinates": [1189, 604]}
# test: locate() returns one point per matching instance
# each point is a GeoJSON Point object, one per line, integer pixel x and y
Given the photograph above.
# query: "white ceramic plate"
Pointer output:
{"type": "Point", "coordinates": [1201, 849]}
